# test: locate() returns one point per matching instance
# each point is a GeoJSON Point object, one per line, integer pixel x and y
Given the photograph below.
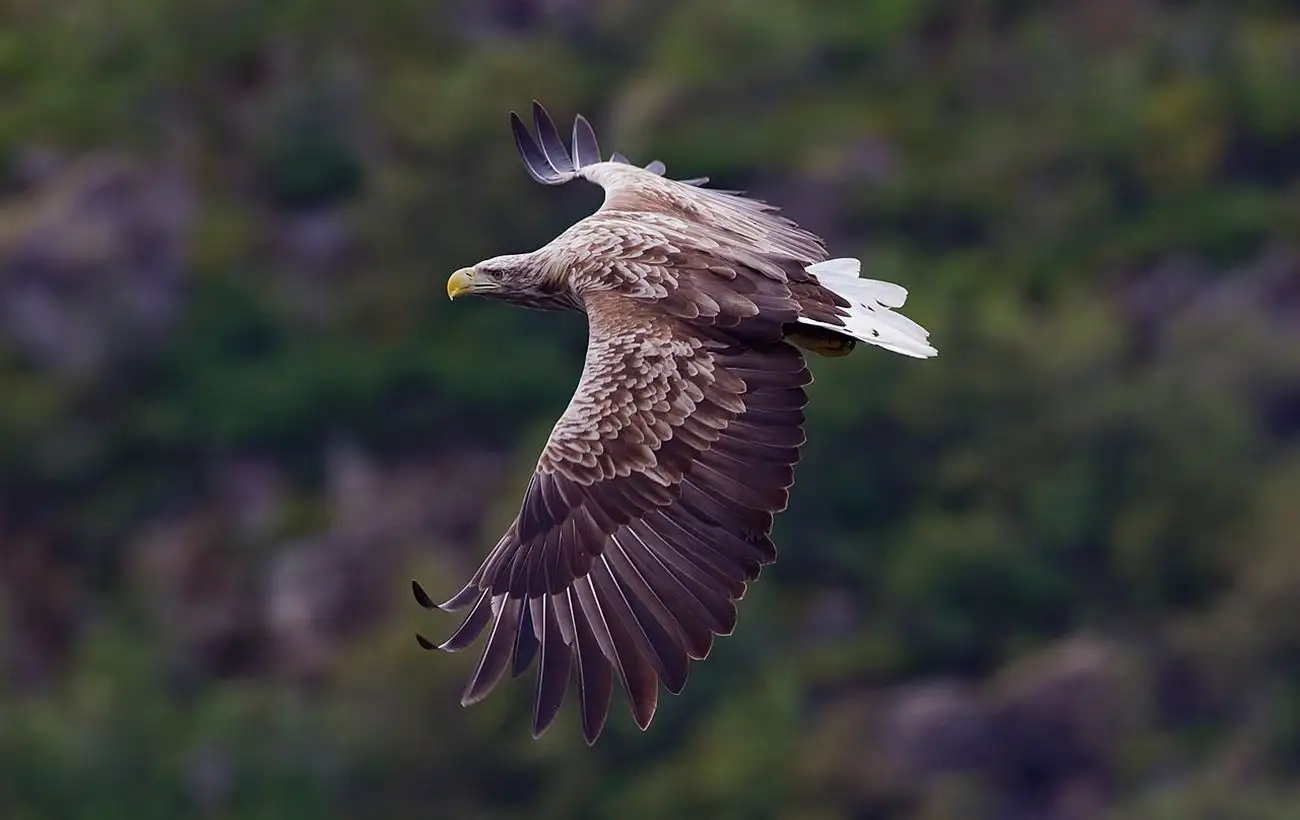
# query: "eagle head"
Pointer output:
{"type": "Point", "coordinates": [520, 279]}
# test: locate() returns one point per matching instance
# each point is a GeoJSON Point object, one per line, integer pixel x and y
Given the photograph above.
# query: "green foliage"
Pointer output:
{"type": "Point", "coordinates": [1069, 462]}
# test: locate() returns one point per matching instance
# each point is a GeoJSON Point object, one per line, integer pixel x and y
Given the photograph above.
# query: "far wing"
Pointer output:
{"type": "Point", "coordinates": [727, 214]}
{"type": "Point", "coordinates": [549, 161]}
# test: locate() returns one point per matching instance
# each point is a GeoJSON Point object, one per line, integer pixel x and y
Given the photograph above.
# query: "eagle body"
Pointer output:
{"type": "Point", "coordinates": [651, 506]}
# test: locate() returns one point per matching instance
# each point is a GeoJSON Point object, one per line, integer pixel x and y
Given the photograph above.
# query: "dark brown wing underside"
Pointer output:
{"type": "Point", "coordinates": [632, 577]}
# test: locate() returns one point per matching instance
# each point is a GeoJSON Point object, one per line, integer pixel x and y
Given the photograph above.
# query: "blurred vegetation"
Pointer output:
{"type": "Point", "coordinates": [1074, 533]}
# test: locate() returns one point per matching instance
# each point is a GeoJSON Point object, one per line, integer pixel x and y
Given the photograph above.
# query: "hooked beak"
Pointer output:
{"type": "Point", "coordinates": [461, 282]}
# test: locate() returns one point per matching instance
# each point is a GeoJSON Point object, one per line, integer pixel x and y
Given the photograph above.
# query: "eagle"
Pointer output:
{"type": "Point", "coordinates": [651, 506]}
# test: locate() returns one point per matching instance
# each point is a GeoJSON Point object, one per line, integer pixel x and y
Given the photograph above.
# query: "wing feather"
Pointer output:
{"type": "Point", "coordinates": [539, 167]}
{"type": "Point", "coordinates": [526, 641]}
{"type": "Point", "coordinates": [690, 615]}
{"type": "Point", "coordinates": [595, 679]}
{"type": "Point", "coordinates": [553, 668]}
{"type": "Point", "coordinates": [732, 560]}
{"type": "Point", "coordinates": [492, 665]}
{"type": "Point", "coordinates": [626, 647]}
{"type": "Point", "coordinates": [471, 627]}
{"type": "Point", "coordinates": [551, 141]}
{"type": "Point", "coordinates": [586, 150]}
{"type": "Point", "coordinates": [641, 606]}
{"type": "Point", "coordinates": [714, 605]}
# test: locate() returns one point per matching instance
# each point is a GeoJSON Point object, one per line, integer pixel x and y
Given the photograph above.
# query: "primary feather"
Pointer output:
{"type": "Point", "coordinates": [651, 507]}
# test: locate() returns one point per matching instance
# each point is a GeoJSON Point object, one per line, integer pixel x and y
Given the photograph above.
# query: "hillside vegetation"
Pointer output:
{"type": "Point", "coordinates": [1051, 573]}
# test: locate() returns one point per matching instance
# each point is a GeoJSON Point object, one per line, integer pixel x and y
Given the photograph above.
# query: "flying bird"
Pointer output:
{"type": "Point", "coordinates": [651, 506]}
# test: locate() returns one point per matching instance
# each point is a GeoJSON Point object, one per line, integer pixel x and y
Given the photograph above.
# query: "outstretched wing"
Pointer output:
{"type": "Point", "coordinates": [727, 214]}
{"type": "Point", "coordinates": [548, 160]}
{"type": "Point", "coordinates": [650, 509]}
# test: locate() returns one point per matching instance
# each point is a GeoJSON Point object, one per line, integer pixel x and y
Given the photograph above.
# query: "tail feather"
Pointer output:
{"type": "Point", "coordinates": [842, 276]}
{"type": "Point", "coordinates": [843, 266]}
{"type": "Point", "coordinates": [870, 318]}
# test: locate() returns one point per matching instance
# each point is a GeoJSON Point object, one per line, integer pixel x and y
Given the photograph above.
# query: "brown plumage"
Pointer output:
{"type": "Point", "coordinates": [652, 503]}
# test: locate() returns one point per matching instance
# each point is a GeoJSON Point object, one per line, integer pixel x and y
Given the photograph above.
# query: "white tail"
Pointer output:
{"type": "Point", "coordinates": [870, 319]}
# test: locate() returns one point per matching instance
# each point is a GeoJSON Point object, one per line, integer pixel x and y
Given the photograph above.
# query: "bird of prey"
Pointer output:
{"type": "Point", "coordinates": [651, 506]}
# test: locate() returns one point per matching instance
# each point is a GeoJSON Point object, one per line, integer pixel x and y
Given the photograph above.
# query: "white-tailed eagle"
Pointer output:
{"type": "Point", "coordinates": [651, 506]}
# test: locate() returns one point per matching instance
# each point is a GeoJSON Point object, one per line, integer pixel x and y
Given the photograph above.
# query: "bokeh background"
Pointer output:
{"type": "Point", "coordinates": [1053, 573]}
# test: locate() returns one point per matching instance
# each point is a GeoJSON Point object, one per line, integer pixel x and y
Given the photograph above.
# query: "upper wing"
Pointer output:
{"type": "Point", "coordinates": [650, 509]}
{"type": "Point", "coordinates": [747, 222]}
{"type": "Point", "coordinates": [548, 159]}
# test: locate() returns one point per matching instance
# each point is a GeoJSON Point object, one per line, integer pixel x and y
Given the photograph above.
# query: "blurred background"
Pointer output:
{"type": "Point", "coordinates": [1053, 573]}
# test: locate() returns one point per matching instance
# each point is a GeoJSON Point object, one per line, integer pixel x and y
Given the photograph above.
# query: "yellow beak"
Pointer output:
{"type": "Point", "coordinates": [462, 281]}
